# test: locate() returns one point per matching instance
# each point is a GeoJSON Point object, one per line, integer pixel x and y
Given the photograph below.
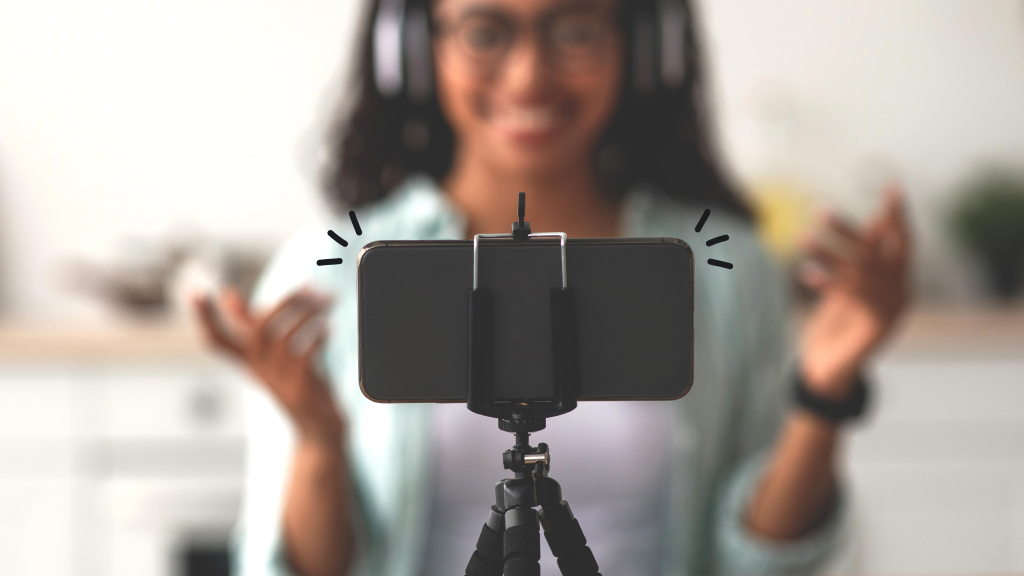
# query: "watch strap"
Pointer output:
{"type": "Point", "coordinates": [848, 409]}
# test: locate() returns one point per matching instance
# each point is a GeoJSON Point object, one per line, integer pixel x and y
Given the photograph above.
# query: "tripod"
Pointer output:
{"type": "Point", "coordinates": [509, 541]}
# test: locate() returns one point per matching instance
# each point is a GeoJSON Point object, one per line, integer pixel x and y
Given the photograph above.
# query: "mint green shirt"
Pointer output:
{"type": "Point", "coordinates": [720, 432]}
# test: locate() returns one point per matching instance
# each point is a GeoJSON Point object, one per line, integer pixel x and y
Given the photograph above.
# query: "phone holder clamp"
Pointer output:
{"type": "Point", "coordinates": [521, 415]}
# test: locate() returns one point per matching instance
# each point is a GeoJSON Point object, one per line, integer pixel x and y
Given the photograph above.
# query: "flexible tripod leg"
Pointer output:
{"type": "Point", "coordinates": [488, 558]}
{"type": "Point", "coordinates": [509, 542]}
{"type": "Point", "coordinates": [522, 529]}
{"type": "Point", "coordinates": [563, 532]}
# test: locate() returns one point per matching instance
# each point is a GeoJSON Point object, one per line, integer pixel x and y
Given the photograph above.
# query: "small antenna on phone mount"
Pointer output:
{"type": "Point", "coordinates": [521, 229]}
{"type": "Point", "coordinates": [509, 542]}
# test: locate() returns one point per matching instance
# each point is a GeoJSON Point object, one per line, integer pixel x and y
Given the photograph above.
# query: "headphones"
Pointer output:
{"type": "Point", "coordinates": [401, 49]}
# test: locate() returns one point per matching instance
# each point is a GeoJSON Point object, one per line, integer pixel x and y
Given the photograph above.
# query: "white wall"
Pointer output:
{"type": "Point", "coordinates": [843, 95]}
{"type": "Point", "coordinates": [936, 86]}
{"type": "Point", "coordinates": [121, 117]}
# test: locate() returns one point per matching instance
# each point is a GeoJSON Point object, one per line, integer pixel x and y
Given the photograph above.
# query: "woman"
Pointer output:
{"type": "Point", "coordinates": [594, 108]}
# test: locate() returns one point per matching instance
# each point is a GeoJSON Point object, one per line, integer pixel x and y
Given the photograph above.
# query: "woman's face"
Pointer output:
{"type": "Point", "coordinates": [527, 85]}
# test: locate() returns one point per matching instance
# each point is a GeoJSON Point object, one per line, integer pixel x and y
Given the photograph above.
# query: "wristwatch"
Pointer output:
{"type": "Point", "coordinates": [848, 409]}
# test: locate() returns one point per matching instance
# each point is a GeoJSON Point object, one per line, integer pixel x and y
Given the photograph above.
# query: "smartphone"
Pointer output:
{"type": "Point", "coordinates": [634, 317]}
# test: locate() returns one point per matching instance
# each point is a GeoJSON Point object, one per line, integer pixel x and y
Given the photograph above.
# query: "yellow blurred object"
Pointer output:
{"type": "Point", "coordinates": [783, 211]}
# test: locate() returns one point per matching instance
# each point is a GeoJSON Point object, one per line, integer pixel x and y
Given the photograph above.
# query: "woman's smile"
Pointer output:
{"type": "Point", "coordinates": [528, 124]}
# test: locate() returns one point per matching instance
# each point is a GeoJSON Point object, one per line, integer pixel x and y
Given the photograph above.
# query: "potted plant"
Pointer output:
{"type": "Point", "coordinates": [989, 222]}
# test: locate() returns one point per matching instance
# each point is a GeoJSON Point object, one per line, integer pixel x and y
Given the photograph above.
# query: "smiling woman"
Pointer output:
{"type": "Point", "coordinates": [630, 76]}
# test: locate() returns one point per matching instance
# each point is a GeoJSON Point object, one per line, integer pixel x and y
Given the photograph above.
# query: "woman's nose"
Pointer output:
{"type": "Point", "coordinates": [526, 69]}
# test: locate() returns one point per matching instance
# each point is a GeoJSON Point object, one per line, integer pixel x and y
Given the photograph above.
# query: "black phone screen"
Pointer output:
{"type": "Point", "coordinates": [634, 311]}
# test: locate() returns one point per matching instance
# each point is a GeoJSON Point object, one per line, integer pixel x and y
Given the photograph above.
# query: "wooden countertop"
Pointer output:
{"type": "Point", "coordinates": [99, 342]}
{"type": "Point", "coordinates": [924, 329]}
{"type": "Point", "coordinates": [961, 330]}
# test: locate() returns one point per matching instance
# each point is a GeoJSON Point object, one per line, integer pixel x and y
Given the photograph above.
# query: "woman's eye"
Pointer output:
{"type": "Point", "coordinates": [483, 38]}
{"type": "Point", "coordinates": [576, 35]}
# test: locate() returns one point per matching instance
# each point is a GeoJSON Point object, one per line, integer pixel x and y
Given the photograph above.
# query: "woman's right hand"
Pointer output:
{"type": "Point", "coordinates": [279, 346]}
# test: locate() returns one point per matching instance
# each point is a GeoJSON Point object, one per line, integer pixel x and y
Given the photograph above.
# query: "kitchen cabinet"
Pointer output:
{"type": "Point", "coordinates": [121, 451]}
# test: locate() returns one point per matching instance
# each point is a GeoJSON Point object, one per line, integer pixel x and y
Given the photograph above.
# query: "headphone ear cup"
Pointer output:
{"type": "Point", "coordinates": [418, 62]}
{"type": "Point", "coordinates": [659, 34]}
{"type": "Point", "coordinates": [672, 45]}
{"type": "Point", "coordinates": [644, 47]}
{"type": "Point", "coordinates": [387, 47]}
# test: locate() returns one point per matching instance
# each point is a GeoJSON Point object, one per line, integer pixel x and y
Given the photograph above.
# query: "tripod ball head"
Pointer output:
{"type": "Point", "coordinates": [520, 458]}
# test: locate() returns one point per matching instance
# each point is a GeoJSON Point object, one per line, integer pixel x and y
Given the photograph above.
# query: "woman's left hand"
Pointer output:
{"type": "Point", "coordinates": [861, 276]}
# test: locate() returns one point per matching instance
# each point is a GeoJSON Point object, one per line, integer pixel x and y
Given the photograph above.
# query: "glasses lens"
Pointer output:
{"type": "Point", "coordinates": [484, 38]}
{"type": "Point", "coordinates": [578, 37]}
{"type": "Point", "coordinates": [572, 41]}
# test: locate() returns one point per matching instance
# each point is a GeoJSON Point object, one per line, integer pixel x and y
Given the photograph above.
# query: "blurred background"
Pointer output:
{"type": "Point", "coordinates": [150, 148]}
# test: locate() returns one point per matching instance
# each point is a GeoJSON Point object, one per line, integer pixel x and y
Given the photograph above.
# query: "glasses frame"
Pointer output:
{"type": "Point", "coordinates": [537, 31]}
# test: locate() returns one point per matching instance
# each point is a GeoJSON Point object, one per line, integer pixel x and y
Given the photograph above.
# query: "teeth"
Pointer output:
{"type": "Point", "coordinates": [531, 119]}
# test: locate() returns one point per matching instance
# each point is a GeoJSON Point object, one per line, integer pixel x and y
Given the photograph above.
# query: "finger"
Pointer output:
{"type": "Point", "coordinates": [826, 256]}
{"type": "Point", "coordinates": [815, 277]}
{"type": "Point", "coordinates": [894, 200]}
{"type": "Point", "coordinates": [842, 229]}
{"type": "Point", "coordinates": [263, 321]}
{"type": "Point", "coordinates": [890, 212]}
{"type": "Point", "coordinates": [893, 233]}
{"type": "Point", "coordinates": [234, 304]}
{"type": "Point", "coordinates": [303, 321]}
{"type": "Point", "coordinates": [211, 327]}
{"type": "Point", "coordinates": [269, 327]}
{"type": "Point", "coordinates": [235, 318]}
{"type": "Point", "coordinates": [235, 314]}
{"type": "Point", "coordinates": [898, 217]}
{"type": "Point", "coordinates": [845, 239]}
{"type": "Point", "coordinates": [314, 346]}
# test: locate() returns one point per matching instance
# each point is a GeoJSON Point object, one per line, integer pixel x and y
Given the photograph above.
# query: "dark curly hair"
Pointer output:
{"type": "Point", "coordinates": [658, 139]}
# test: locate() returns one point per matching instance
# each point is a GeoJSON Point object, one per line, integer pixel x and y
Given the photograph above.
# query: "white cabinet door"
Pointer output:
{"type": "Point", "coordinates": [174, 403]}
{"type": "Point", "coordinates": [36, 469]}
{"type": "Point", "coordinates": [36, 527]}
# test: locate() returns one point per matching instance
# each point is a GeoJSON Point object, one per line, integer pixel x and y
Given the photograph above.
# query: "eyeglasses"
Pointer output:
{"type": "Point", "coordinates": [573, 41]}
